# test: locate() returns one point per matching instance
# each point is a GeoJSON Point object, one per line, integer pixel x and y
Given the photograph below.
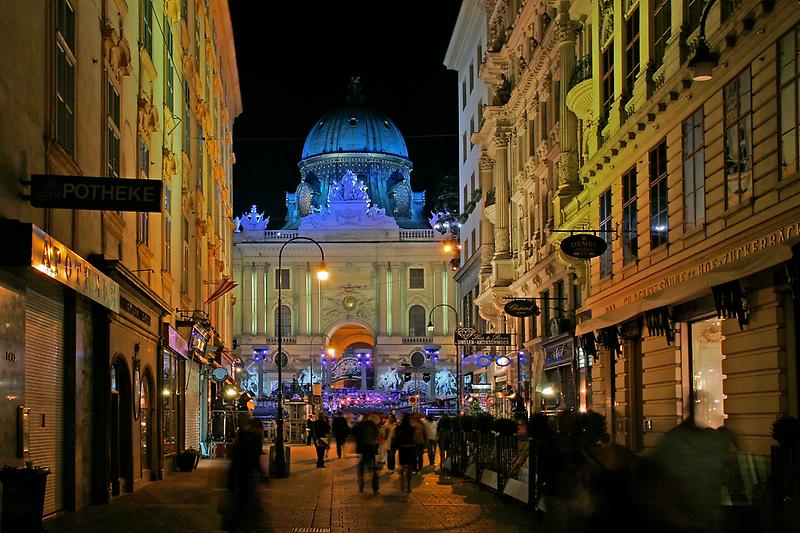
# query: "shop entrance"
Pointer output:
{"type": "Point", "coordinates": [145, 422]}
{"type": "Point", "coordinates": [121, 458]}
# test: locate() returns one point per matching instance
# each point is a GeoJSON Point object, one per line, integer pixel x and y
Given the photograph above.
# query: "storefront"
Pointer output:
{"type": "Point", "coordinates": [192, 416]}
{"type": "Point", "coordinates": [558, 387]}
{"type": "Point", "coordinates": [48, 296]}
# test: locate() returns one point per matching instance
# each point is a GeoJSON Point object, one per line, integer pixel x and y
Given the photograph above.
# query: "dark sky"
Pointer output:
{"type": "Point", "coordinates": [294, 65]}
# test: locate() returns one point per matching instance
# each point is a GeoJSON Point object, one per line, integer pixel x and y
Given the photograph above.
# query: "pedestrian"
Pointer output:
{"type": "Point", "coordinates": [431, 437]}
{"type": "Point", "coordinates": [404, 442]}
{"type": "Point", "coordinates": [321, 429]}
{"type": "Point", "coordinates": [419, 440]}
{"type": "Point", "coordinates": [340, 431]}
{"type": "Point", "coordinates": [309, 430]}
{"type": "Point", "coordinates": [243, 513]}
{"type": "Point", "coordinates": [391, 449]}
{"type": "Point", "coordinates": [366, 434]}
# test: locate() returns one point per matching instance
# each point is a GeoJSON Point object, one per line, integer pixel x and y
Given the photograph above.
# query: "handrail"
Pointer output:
{"type": "Point", "coordinates": [582, 71]}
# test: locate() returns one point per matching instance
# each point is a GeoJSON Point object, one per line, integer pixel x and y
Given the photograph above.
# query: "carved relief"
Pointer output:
{"type": "Point", "coordinates": [607, 22]}
{"type": "Point", "coordinates": [147, 117]}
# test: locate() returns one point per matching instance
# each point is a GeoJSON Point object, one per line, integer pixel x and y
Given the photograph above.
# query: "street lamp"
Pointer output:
{"type": "Point", "coordinates": [455, 348]}
{"type": "Point", "coordinates": [322, 274]}
{"type": "Point", "coordinates": [704, 60]}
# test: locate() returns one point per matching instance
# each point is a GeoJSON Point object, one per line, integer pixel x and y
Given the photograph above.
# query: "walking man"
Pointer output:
{"type": "Point", "coordinates": [321, 429]}
{"type": "Point", "coordinates": [340, 430]}
{"type": "Point", "coordinates": [366, 433]}
{"type": "Point", "coordinates": [431, 437]}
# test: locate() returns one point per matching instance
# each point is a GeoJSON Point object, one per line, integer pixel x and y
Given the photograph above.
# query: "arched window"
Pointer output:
{"type": "Point", "coordinates": [416, 321]}
{"type": "Point", "coordinates": [286, 321]}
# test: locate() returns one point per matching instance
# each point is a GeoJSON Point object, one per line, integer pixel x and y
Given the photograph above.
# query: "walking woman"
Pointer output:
{"type": "Point", "coordinates": [404, 442]}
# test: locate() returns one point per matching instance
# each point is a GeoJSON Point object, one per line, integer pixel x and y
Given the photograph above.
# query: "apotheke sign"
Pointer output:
{"type": "Point", "coordinates": [84, 192]}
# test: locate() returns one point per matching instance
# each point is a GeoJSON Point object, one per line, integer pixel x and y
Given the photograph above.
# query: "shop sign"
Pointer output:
{"type": "Point", "coordinates": [521, 308]}
{"type": "Point", "coordinates": [27, 244]}
{"type": "Point", "coordinates": [85, 192]}
{"type": "Point", "coordinates": [584, 246]}
{"type": "Point", "coordinates": [133, 310]}
{"type": "Point", "coordinates": [470, 337]}
{"type": "Point", "coordinates": [199, 339]}
{"type": "Point", "coordinates": [176, 341]}
{"type": "Point", "coordinates": [559, 355]}
{"type": "Point", "coordinates": [219, 374]}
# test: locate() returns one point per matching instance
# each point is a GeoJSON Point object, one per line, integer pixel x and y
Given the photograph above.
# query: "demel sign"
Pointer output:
{"type": "Point", "coordinates": [584, 246]}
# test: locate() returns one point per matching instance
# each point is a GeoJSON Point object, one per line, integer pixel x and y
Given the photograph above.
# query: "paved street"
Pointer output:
{"type": "Point", "coordinates": [311, 500]}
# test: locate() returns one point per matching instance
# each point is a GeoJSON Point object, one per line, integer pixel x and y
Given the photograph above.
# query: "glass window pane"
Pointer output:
{"type": "Point", "coordinates": [744, 92]}
{"type": "Point", "coordinates": [707, 356]}
{"type": "Point", "coordinates": [788, 152]}
{"type": "Point", "coordinates": [788, 111]}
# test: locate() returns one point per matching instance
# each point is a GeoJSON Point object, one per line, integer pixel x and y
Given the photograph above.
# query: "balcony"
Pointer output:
{"type": "Point", "coordinates": [417, 340]}
{"type": "Point", "coordinates": [415, 234]}
{"type": "Point", "coordinates": [579, 96]}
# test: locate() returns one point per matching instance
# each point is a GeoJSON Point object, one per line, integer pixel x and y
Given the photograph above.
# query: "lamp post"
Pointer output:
{"type": "Point", "coordinates": [455, 348]}
{"type": "Point", "coordinates": [330, 351]}
{"type": "Point", "coordinates": [322, 275]}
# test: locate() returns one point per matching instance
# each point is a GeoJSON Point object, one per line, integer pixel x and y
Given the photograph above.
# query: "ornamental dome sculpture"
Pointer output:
{"type": "Point", "coordinates": [365, 142]}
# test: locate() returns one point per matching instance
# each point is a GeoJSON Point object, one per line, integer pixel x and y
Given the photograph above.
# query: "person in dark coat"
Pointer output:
{"type": "Point", "coordinates": [340, 430]}
{"type": "Point", "coordinates": [244, 511]}
{"type": "Point", "coordinates": [309, 431]}
{"type": "Point", "coordinates": [366, 434]}
{"type": "Point", "coordinates": [404, 442]}
{"type": "Point", "coordinates": [321, 429]}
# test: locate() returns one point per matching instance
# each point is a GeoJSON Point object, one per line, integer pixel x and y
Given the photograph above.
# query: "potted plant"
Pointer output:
{"type": "Point", "coordinates": [786, 459]}
{"type": "Point", "coordinates": [187, 460]}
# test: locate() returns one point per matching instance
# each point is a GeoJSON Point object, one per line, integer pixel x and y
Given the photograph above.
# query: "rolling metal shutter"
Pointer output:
{"type": "Point", "coordinates": [44, 390]}
{"type": "Point", "coordinates": [193, 405]}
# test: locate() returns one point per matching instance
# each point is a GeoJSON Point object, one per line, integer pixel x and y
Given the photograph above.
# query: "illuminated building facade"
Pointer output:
{"type": "Point", "coordinates": [387, 270]}
{"type": "Point", "coordinates": [114, 89]}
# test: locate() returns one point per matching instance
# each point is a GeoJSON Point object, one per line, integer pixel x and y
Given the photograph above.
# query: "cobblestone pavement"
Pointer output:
{"type": "Point", "coordinates": [311, 500]}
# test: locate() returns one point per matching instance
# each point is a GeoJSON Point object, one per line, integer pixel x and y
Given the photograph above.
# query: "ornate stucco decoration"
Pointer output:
{"type": "Point", "coordinates": [251, 221]}
{"type": "Point", "coordinates": [606, 22]}
{"type": "Point", "coordinates": [348, 207]}
{"type": "Point", "coordinates": [170, 165]}
{"type": "Point", "coordinates": [350, 302]}
{"type": "Point", "coordinates": [147, 117]}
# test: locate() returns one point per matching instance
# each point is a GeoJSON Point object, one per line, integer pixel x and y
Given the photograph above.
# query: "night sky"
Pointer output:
{"type": "Point", "coordinates": [294, 65]}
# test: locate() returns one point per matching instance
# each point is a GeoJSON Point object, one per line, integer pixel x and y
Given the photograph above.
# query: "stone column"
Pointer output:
{"type": "Point", "coordinates": [400, 290]}
{"type": "Point", "coordinates": [501, 243]}
{"type": "Point", "coordinates": [566, 29]}
{"type": "Point", "coordinates": [239, 299]}
{"type": "Point", "coordinates": [303, 289]}
{"type": "Point", "coordinates": [487, 232]}
{"type": "Point", "coordinates": [247, 299]}
{"type": "Point", "coordinates": [261, 298]}
{"type": "Point", "coordinates": [381, 288]}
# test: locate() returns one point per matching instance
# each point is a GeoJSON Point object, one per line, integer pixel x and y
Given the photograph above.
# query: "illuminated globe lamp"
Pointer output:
{"type": "Point", "coordinates": [502, 360]}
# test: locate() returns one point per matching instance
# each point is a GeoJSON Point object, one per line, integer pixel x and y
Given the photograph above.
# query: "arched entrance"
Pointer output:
{"type": "Point", "coordinates": [352, 365]}
{"type": "Point", "coordinates": [146, 418]}
{"type": "Point", "coordinates": [121, 425]}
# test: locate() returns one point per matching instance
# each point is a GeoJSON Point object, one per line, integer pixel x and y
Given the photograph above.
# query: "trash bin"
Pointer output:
{"type": "Point", "coordinates": [23, 498]}
{"type": "Point", "coordinates": [288, 454]}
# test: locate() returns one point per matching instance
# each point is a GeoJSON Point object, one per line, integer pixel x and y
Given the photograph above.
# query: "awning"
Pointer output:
{"type": "Point", "coordinates": [693, 286]}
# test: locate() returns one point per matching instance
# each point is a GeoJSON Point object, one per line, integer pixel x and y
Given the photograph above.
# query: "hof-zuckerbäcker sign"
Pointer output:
{"type": "Point", "coordinates": [521, 308]}
{"type": "Point", "coordinates": [584, 246]}
{"type": "Point", "coordinates": [29, 245]}
{"type": "Point", "coordinates": [85, 192]}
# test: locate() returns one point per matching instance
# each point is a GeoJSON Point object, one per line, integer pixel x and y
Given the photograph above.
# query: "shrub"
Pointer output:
{"type": "Point", "coordinates": [786, 430]}
{"type": "Point", "coordinates": [444, 423]}
{"type": "Point", "coordinates": [484, 422]}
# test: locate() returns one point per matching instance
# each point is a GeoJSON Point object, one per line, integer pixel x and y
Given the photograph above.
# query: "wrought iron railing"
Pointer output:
{"type": "Point", "coordinates": [581, 71]}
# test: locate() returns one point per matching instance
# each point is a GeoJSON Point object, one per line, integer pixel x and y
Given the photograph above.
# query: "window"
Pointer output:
{"type": "Point", "coordinates": [65, 76]}
{"type": "Point", "coordinates": [545, 307]}
{"type": "Point", "coordinates": [693, 10]}
{"type": "Point", "coordinates": [282, 279]}
{"type": "Point", "coordinates": [694, 201]}
{"type": "Point", "coordinates": [630, 237]}
{"type": "Point", "coordinates": [632, 63]}
{"type": "Point", "coordinates": [284, 315]}
{"type": "Point", "coordinates": [463, 94]}
{"type": "Point", "coordinates": [474, 241]}
{"type": "Point", "coordinates": [479, 56]}
{"type": "Point", "coordinates": [185, 256]}
{"type": "Point", "coordinates": [147, 26]}
{"type": "Point", "coordinates": [416, 321]}
{"type": "Point", "coordinates": [166, 260]}
{"type": "Point", "coordinates": [464, 147]}
{"type": "Point", "coordinates": [472, 183]}
{"type": "Point", "coordinates": [200, 159]}
{"type": "Point", "coordinates": [738, 138]}
{"type": "Point", "coordinates": [416, 278]}
{"type": "Point", "coordinates": [659, 209]}
{"type": "Point", "coordinates": [187, 130]}
{"type": "Point", "coordinates": [143, 218]}
{"type": "Point", "coordinates": [169, 401]}
{"type": "Point", "coordinates": [466, 199]}
{"type": "Point", "coordinates": [560, 301]}
{"type": "Point", "coordinates": [169, 90]}
{"type": "Point", "coordinates": [661, 30]}
{"type": "Point", "coordinates": [480, 113]}
{"type": "Point", "coordinates": [707, 376]}
{"type": "Point", "coordinates": [471, 78]}
{"type": "Point", "coordinates": [789, 111]}
{"type": "Point", "coordinates": [471, 130]}
{"type": "Point", "coordinates": [608, 80]}
{"type": "Point", "coordinates": [466, 310]}
{"type": "Point", "coordinates": [605, 227]}
{"type": "Point", "coordinates": [112, 131]}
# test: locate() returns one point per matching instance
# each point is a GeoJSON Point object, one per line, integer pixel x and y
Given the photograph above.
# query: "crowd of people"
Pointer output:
{"type": "Point", "coordinates": [381, 441]}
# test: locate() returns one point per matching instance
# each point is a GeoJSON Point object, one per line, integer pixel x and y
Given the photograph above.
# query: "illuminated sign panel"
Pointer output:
{"type": "Point", "coordinates": [84, 192]}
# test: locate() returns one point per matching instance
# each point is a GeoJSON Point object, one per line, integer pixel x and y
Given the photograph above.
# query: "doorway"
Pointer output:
{"type": "Point", "coordinates": [121, 456]}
